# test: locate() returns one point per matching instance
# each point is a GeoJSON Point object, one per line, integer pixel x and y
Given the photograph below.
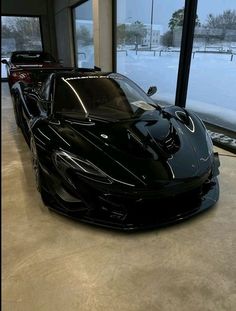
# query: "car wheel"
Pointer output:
{"type": "Point", "coordinates": [38, 172]}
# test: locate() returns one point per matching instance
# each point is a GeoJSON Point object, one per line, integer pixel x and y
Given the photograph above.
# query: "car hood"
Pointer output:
{"type": "Point", "coordinates": [157, 148]}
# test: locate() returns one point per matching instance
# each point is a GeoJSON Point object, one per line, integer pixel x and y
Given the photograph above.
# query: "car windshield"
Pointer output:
{"type": "Point", "coordinates": [32, 58]}
{"type": "Point", "coordinates": [106, 96]}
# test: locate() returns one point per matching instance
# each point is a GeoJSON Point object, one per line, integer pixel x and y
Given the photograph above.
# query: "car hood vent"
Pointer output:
{"type": "Point", "coordinates": [159, 138]}
{"type": "Point", "coordinates": [171, 143]}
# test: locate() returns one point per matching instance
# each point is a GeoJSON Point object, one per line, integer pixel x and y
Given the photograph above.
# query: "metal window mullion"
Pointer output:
{"type": "Point", "coordinates": [186, 52]}
{"type": "Point", "coordinates": [114, 35]}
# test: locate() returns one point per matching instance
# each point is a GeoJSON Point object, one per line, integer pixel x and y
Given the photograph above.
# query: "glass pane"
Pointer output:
{"type": "Point", "coordinates": [19, 33]}
{"type": "Point", "coordinates": [212, 81]}
{"type": "Point", "coordinates": [83, 34]}
{"type": "Point", "coordinates": [148, 43]}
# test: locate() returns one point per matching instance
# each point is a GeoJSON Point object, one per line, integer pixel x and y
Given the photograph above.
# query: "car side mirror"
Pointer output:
{"type": "Point", "coordinates": [151, 91]}
{"type": "Point", "coordinates": [4, 61]}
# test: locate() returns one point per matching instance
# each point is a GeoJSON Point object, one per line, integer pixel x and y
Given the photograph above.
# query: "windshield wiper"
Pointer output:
{"type": "Point", "coordinates": [140, 111]}
{"type": "Point", "coordinates": [156, 106]}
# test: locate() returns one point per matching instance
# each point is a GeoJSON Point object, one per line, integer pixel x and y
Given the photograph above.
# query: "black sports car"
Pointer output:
{"type": "Point", "coordinates": [104, 153]}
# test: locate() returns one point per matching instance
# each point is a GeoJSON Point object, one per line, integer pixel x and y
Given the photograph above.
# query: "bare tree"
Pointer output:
{"type": "Point", "coordinates": [83, 36]}
{"type": "Point", "coordinates": [226, 20]}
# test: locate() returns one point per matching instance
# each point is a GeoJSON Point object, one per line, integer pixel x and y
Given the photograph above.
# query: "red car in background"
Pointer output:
{"type": "Point", "coordinates": [21, 63]}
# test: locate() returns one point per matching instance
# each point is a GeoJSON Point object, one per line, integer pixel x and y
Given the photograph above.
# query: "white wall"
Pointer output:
{"type": "Point", "coordinates": [102, 14]}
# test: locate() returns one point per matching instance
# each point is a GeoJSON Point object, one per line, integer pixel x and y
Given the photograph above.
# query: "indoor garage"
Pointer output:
{"type": "Point", "coordinates": [100, 261]}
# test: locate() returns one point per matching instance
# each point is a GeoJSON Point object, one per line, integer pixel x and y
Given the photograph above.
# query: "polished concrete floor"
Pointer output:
{"type": "Point", "coordinates": [53, 263]}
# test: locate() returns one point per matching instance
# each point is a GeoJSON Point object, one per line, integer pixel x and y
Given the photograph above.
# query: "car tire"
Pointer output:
{"type": "Point", "coordinates": [38, 173]}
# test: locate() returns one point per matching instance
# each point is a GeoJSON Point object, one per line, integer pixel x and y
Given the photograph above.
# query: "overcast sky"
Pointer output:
{"type": "Point", "coordinates": [132, 10]}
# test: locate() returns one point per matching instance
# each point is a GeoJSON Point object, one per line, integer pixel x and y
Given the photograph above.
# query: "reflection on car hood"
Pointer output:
{"type": "Point", "coordinates": [159, 148]}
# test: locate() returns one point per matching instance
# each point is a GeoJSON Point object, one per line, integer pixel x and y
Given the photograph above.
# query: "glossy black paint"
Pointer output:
{"type": "Point", "coordinates": [148, 171]}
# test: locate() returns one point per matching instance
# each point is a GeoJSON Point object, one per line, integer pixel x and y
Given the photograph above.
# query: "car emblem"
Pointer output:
{"type": "Point", "coordinates": [104, 136]}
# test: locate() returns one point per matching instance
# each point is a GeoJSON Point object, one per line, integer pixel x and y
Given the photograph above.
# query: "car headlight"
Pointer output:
{"type": "Point", "coordinates": [66, 163]}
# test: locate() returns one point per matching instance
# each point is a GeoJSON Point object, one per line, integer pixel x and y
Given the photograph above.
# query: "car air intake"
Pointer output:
{"type": "Point", "coordinates": [171, 143]}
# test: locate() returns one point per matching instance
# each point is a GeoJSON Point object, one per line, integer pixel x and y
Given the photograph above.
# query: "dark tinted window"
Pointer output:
{"type": "Point", "coordinates": [110, 96]}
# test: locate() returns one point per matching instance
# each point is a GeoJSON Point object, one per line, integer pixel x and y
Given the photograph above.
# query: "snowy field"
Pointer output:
{"type": "Point", "coordinates": [212, 82]}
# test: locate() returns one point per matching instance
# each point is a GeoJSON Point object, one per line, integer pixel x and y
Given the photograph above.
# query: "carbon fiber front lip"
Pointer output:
{"type": "Point", "coordinates": [95, 218]}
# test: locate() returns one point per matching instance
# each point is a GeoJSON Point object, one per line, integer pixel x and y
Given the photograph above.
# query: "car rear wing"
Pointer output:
{"type": "Point", "coordinates": [38, 75]}
{"type": "Point", "coordinates": [53, 69]}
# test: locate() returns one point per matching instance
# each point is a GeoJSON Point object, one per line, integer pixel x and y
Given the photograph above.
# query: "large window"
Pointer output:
{"type": "Point", "coordinates": [148, 43]}
{"type": "Point", "coordinates": [83, 34]}
{"type": "Point", "coordinates": [212, 80]}
{"type": "Point", "coordinates": [19, 33]}
{"type": "Point", "coordinates": [149, 37]}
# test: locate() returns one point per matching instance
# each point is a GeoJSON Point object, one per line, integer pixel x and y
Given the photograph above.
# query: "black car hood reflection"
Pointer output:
{"type": "Point", "coordinates": [146, 149]}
